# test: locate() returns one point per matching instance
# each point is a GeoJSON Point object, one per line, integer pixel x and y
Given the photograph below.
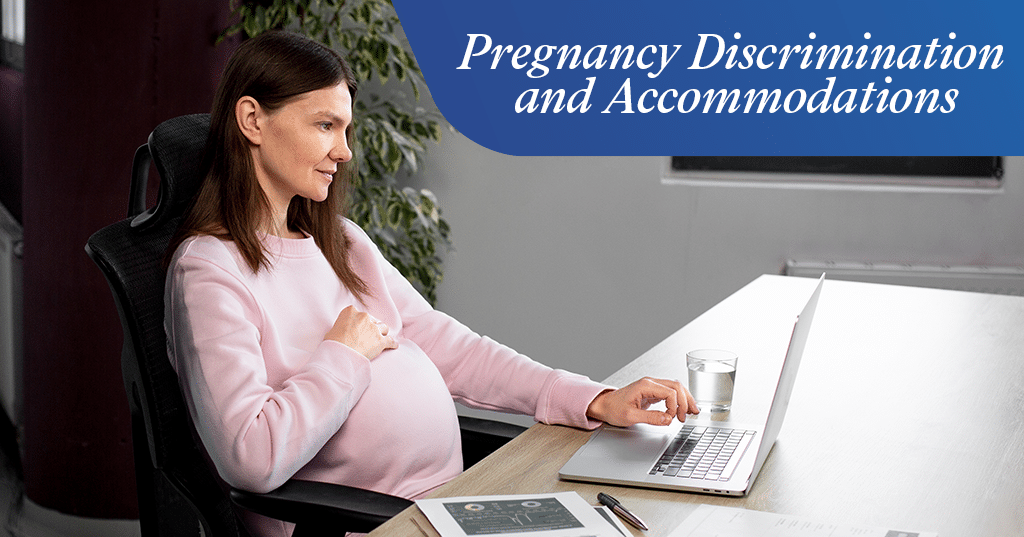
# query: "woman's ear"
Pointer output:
{"type": "Point", "coordinates": [248, 113]}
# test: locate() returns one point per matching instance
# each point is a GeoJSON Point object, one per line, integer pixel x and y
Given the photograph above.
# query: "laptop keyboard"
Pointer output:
{"type": "Point", "coordinates": [699, 452]}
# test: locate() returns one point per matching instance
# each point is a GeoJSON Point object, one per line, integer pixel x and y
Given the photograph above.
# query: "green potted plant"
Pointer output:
{"type": "Point", "coordinates": [391, 131]}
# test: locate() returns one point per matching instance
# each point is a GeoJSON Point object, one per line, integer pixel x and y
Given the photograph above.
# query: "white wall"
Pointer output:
{"type": "Point", "coordinates": [584, 263]}
{"type": "Point", "coordinates": [11, 348]}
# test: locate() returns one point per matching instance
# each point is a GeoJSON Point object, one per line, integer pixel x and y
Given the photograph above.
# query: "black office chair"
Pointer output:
{"type": "Point", "coordinates": [178, 491]}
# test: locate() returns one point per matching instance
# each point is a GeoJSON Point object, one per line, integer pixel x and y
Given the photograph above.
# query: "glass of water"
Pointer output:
{"type": "Point", "coordinates": [712, 375]}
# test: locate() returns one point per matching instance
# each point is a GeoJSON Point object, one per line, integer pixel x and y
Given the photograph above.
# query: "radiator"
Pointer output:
{"type": "Point", "coordinates": [981, 279]}
{"type": "Point", "coordinates": [10, 316]}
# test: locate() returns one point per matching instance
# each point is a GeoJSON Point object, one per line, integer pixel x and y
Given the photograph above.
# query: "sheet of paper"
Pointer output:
{"type": "Point", "coordinates": [612, 519]}
{"type": "Point", "coordinates": [716, 521]}
{"type": "Point", "coordinates": [562, 514]}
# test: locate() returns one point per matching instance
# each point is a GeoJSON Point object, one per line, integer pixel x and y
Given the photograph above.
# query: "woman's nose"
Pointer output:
{"type": "Point", "coordinates": [341, 152]}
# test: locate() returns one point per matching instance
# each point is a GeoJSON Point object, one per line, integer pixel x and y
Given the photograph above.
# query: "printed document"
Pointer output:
{"type": "Point", "coordinates": [561, 514]}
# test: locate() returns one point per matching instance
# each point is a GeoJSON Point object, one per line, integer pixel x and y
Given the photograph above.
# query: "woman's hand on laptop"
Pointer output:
{"type": "Point", "coordinates": [630, 404]}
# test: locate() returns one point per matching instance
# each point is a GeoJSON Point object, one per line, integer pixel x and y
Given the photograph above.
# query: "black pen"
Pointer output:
{"type": "Point", "coordinates": [618, 509]}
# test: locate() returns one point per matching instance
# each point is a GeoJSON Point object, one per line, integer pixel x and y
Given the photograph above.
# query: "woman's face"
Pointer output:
{"type": "Point", "coordinates": [298, 146]}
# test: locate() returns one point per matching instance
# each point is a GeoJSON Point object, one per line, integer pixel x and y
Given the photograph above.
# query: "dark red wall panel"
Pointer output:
{"type": "Point", "coordinates": [99, 76]}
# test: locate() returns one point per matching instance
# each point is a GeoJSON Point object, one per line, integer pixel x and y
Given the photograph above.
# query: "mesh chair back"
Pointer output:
{"type": "Point", "coordinates": [130, 254]}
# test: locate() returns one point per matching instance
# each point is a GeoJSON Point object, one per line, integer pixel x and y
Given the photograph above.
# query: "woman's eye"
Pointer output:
{"type": "Point", "coordinates": [326, 125]}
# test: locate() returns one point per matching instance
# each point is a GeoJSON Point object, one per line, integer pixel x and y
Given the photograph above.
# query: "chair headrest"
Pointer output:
{"type": "Point", "coordinates": [176, 147]}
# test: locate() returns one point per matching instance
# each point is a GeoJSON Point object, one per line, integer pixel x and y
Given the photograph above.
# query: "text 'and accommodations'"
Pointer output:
{"type": "Point", "coordinates": [713, 52]}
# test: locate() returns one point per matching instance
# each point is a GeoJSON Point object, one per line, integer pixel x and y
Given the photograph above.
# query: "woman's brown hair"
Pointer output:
{"type": "Point", "coordinates": [273, 68]}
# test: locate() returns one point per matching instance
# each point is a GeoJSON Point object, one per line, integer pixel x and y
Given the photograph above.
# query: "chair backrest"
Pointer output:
{"type": "Point", "coordinates": [130, 254]}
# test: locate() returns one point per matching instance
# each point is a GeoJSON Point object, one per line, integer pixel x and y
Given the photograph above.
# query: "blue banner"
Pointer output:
{"type": "Point", "coordinates": [741, 77]}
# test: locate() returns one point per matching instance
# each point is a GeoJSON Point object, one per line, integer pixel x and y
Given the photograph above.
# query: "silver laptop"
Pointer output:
{"type": "Point", "coordinates": [696, 456]}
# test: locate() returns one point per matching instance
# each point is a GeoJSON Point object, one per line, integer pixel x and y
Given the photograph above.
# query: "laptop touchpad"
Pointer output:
{"type": "Point", "coordinates": [634, 444]}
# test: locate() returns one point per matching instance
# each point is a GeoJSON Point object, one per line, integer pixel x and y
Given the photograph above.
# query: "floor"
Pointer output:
{"type": "Point", "coordinates": [20, 517]}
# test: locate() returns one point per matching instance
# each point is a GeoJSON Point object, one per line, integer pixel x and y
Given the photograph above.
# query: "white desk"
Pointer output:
{"type": "Point", "coordinates": [908, 413]}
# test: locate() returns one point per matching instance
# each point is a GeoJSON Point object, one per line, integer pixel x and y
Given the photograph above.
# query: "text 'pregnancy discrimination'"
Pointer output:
{"type": "Point", "coordinates": [713, 52]}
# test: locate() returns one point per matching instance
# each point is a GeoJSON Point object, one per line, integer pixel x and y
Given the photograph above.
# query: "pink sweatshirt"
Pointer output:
{"type": "Point", "coordinates": [272, 400]}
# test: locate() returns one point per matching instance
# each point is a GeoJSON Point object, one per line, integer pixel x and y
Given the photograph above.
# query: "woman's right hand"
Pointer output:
{"type": "Point", "coordinates": [361, 332]}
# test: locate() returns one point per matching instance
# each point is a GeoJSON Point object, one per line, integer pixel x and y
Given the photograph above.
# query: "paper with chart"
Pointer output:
{"type": "Point", "coordinates": [716, 521]}
{"type": "Point", "coordinates": [562, 514]}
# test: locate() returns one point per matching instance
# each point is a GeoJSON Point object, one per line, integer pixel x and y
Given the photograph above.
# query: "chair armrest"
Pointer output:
{"type": "Point", "coordinates": [481, 437]}
{"type": "Point", "coordinates": [326, 508]}
{"type": "Point", "coordinates": [323, 507]}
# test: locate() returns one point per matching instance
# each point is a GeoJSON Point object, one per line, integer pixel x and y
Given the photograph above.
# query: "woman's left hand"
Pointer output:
{"type": "Point", "coordinates": [628, 405]}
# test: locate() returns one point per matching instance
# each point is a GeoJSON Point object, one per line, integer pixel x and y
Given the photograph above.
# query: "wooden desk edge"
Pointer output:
{"type": "Point", "coordinates": [538, 474]}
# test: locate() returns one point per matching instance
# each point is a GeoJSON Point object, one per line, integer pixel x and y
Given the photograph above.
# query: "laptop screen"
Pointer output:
{"type": "Point", "coordinates": [787, 377]}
